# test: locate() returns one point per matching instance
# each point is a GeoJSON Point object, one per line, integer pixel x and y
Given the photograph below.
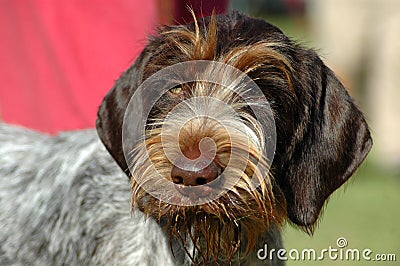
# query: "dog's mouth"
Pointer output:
{"type": "Point", "coordinates": [202, 191]}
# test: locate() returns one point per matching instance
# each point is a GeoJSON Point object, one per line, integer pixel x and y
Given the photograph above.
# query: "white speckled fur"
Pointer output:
{"type": "Point", "coordinates": [63, 200]}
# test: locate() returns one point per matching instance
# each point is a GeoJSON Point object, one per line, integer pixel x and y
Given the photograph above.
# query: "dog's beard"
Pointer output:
{"type": "Point", "coordinates": [219, 228]}
{"type": "Point", "coordinates": [215, 230]}
{"type": "Point", "coordinates": [234, 220]}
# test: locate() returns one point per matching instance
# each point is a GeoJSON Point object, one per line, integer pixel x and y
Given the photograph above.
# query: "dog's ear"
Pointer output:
{"type": "Point", "coordinates": [111, 112]}
{"type": "Point", "coordinates": [330, 142]}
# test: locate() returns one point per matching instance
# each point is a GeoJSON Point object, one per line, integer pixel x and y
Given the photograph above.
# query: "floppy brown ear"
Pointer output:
{"type": "Point", "coordinates": [111, 112]}
{"type": "Point", "coordinates": [331, 141]}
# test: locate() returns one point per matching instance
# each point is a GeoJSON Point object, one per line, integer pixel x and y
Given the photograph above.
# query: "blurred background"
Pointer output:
{"type": "Point", "coordinates": [59, 58]}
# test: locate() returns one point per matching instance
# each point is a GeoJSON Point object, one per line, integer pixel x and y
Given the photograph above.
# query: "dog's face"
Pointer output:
{"type": "Point", "coordinates": [207, 144]}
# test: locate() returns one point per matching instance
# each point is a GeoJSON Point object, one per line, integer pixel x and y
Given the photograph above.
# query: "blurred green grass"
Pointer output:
{"type": "Point", "coordinates": [366, 212]}
{"type": "Point", "coordinates": [295, 27]}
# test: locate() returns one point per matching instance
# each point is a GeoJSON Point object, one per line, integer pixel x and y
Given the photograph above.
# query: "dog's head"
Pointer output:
{"type": "Point", "coordinates": [214, 140]}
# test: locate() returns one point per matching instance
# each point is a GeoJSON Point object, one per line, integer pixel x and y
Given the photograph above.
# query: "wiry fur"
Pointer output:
{"type": "Point", "coordinates": [214, 229]}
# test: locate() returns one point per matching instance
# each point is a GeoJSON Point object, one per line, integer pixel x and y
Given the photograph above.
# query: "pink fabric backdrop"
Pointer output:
{"type": "Point", "coordinates": [59, 57]}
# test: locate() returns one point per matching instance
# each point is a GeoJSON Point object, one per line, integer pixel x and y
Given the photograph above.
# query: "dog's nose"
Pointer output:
{"type": "Point", "coordinates": [194, 176]}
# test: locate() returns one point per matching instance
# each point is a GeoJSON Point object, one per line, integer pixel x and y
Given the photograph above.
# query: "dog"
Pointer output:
{"type": "Point", "coordinates": [225, 128]}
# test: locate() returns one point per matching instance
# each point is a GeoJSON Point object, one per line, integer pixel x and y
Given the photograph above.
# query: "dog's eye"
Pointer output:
{"type": "Point", "coordinates": [177, 90]}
